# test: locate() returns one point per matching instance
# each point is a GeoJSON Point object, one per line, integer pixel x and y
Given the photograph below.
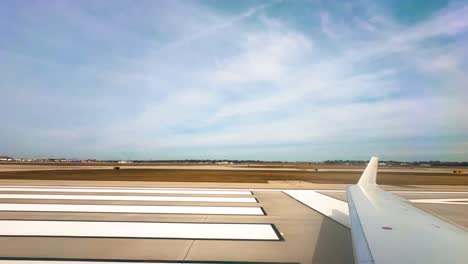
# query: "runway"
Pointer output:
{"type": "Point", "coordinates": [106, 224]}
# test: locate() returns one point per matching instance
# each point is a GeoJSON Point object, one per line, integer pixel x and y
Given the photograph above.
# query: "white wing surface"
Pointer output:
{"type": "Point", "coordinates": [388, 229]}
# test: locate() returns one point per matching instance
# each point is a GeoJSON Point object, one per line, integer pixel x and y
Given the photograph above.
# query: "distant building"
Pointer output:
{"type": "Point", "coordinates": [224, 162]}
{"type": "Point", "coordinates": [124, 161]}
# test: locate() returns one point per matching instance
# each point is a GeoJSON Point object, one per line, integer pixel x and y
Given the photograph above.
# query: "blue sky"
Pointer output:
{"type": "Point", "coordinates": [269, 80]}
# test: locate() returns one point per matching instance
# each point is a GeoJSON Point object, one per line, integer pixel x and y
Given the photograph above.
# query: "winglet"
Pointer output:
{"type": "Point", "coordinates": [370, 173]}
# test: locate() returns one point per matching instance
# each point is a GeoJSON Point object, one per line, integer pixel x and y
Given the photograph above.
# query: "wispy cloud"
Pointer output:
{"type": "Point", "coordinates": [219, 24]}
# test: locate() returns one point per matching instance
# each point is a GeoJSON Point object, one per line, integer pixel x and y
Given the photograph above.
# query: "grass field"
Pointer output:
{"type": "Point", "coordinates": [238, 176]}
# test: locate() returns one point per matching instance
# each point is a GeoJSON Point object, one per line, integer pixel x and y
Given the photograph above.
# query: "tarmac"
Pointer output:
{"type": "Point", "coordinates": [266, 225]}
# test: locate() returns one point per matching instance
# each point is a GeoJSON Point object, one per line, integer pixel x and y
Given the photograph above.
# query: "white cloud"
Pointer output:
{"type": "Point", "coordinates": [323, 90]}
{"type": "Point", "coordinates": [265, 56]}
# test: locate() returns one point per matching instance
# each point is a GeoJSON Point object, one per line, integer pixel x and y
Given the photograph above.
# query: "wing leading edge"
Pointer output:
{"type": "Point", "coordinates": [388, 229]}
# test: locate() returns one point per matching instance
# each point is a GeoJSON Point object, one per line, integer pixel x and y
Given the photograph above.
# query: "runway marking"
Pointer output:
{"type": "Point", "coordinates": [102, 229]}
{"type": "Point", "coordinates": [121, 190]}
{"type": "Point", "coordinates": [454, 201]}
{"type": "Point", "coordinates": [134, 209]}
{"type": "Point", "coordinates": [331, 207]}
{"type": "Point", "coordinates": [130, 198]}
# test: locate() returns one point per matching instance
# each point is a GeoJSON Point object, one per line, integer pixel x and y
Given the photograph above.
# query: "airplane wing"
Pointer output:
{"type": "Point", "coordinates": [388, 229]}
